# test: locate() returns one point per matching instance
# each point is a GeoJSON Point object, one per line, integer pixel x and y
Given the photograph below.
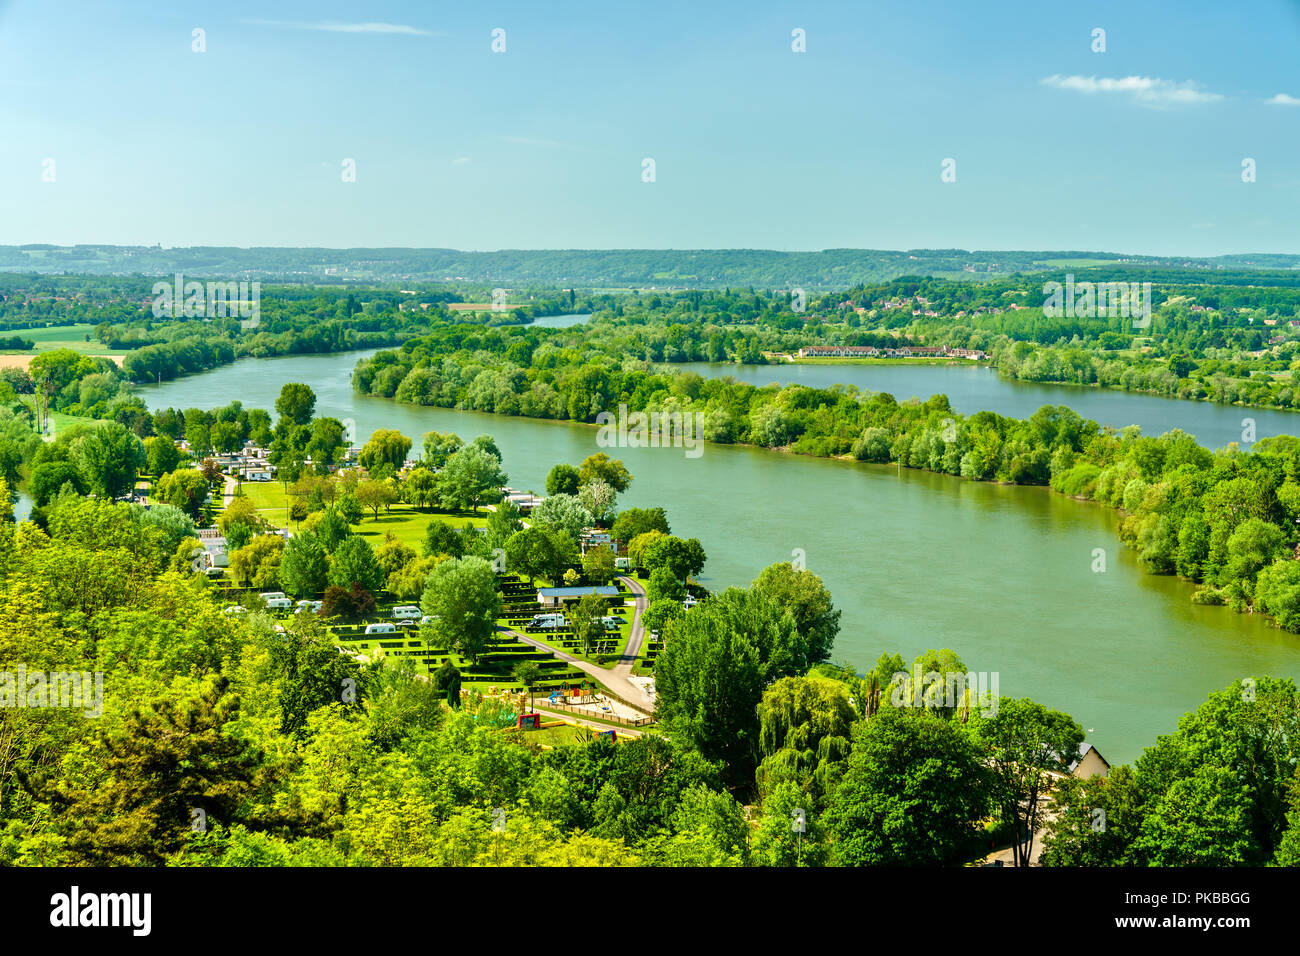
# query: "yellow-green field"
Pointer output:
{"type": "Point", "coordinates": [79, 338]}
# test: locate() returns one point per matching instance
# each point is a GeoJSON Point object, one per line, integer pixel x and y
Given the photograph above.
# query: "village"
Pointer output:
{"type": "Point", "coordinates": [905, 351]}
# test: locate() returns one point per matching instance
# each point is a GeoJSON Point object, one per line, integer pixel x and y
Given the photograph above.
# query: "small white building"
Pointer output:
{"type": "Point", "coordinates": [524, 501]}
{"type": "Point", "coordinates": [559, 597]}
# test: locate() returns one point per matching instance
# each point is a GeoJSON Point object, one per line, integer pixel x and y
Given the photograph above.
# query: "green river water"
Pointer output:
{"type": "Point", "coordinates": [1003, 575]}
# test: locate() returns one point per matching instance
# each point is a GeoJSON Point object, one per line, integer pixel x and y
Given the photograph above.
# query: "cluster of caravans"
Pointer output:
{"type": "Point", "coordinates": [557, 621]}
{"type": "Point", "coordinates": [249, 465]}
{"type": "Point", "coordinates": [404, 615]}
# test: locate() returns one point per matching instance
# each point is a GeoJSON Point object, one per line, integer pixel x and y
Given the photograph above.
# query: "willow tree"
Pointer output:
{"type": "Point", "coordinates": [804, 726]}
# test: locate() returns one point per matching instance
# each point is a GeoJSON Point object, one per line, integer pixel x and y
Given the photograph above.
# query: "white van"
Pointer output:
{"type": "Point", "coordinates": [406, 612]}
{"type": "Point", "coordinates": [381, 628]}
{"type": "Point", "coordinates": [271, 595]}
{"type": "Point", "coordinates": [278, 604]}
{"type": "Point", "coordinates": [550, 622]}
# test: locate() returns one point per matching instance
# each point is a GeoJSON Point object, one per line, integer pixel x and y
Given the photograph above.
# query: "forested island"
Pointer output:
{"type": "Point", "coordinates": [296, 754]}
{"type": "Point", "coordinates": [756, 723]}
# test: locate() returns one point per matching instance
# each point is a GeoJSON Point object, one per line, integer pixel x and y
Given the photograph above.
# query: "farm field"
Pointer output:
{"type": "Point", "coordinates": [79, 338]}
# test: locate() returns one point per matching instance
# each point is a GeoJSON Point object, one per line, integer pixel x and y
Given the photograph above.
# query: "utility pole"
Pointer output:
{"type": "Point", "coordinates": [799, 824]}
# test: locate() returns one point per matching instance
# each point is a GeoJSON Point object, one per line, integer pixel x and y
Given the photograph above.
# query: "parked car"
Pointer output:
{"type": "Point", "coordinates": [235, 609]}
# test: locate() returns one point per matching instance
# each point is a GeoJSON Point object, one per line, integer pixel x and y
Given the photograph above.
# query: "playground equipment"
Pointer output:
{"type": "Point", "coordinates": [529, 722]}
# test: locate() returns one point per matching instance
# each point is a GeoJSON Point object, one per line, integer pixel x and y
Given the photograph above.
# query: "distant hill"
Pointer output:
{"type": "Point", "coordinates": [589, 268]}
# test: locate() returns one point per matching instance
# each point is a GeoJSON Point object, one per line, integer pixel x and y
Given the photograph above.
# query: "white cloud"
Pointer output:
{"type": "Point", "coordinates": [339, 26]}
{"type": "Point", "coordinates": [1282, 99]}
{"type": "Point", "coordinates": [1145, 90]}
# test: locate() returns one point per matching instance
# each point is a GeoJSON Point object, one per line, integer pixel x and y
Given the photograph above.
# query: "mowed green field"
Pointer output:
{"type": "Point", "coordinates": [67, 337]}
{"type": "Point", "coordinates": [405, 521]}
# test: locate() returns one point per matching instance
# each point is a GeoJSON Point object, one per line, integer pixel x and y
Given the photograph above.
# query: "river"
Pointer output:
{"type": "Point", "coordinates": [1003, 575]}
{"type": "Point", "coordinates": [972, 388]}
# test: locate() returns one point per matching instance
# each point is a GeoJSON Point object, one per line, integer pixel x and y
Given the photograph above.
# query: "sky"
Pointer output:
{"type": "Point", "coordinates": [115, 129]}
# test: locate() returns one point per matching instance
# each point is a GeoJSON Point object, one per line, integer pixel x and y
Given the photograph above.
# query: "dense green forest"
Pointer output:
{"type": "Point", "coordinates": [288, 753]}
{"type": "Point", "coordinates": [756, 723]}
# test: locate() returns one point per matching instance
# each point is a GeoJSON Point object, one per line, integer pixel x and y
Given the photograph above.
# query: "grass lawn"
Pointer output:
{"type": "Point", "coordinates": [405, 521]}
{"type": "Point", "coordinates": [61, 421]}
{"type": "Point", "coordinates": [269, 499]}
{"type": "Point", "coordinates": [624, 632]}
{"type": "Point", "coordinates": [67, 337]}
{"type": "Point", "coordinates": [620, 639]}
{"type": "Point", "coordinates": [409, 523]}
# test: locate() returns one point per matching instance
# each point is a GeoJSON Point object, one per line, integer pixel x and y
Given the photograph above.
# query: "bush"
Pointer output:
{"type": "Point", "coordinates": [351, 604]}
{"type": "Point", "coordinates": [872, 446]}
{"type": "Point", "coordinates": [1277, 592]}
{"type": "Point", "coordinates": [1079, 481]}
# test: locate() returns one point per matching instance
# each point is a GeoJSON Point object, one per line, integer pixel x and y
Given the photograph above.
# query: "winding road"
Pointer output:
{"type": "Point", "coordinates": [615, 679]}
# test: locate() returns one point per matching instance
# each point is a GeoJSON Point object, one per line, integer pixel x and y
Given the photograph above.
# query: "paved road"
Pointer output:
{"type": "Point", "coordinates": [618, 684]}
{"type": "Point", "coordinates": [637, 634]}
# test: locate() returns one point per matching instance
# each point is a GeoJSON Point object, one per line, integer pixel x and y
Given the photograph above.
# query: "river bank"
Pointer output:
{"type": "Point", "coordinates": [1002, 574]}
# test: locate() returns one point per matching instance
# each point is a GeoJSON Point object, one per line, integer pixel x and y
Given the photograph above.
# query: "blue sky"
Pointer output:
{"type": "Point", "coordinates": [1137, 149]}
